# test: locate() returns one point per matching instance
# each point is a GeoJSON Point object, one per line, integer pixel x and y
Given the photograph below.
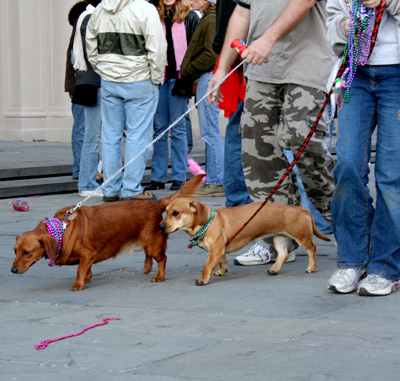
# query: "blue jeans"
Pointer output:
{"type": "Point", "coordinates": [90, 146]}
{"type": "Point", "coordinates": [234, 184]}
{"type": "Point", "coordinates": [78, 132]}
{"type": "Point", "coordinates": [129, 106]}
{"type": "Point", "coordinates": [189, 134]}
{"type": "Point", "coordinates": [169, 109]}
{"type": "Point", "coordinates": [210, 133]}
{"type": "Point", "coordinates": [368, 235]}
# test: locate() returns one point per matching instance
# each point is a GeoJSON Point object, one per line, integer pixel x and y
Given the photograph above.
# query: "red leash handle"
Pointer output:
{"type": "Point", "coordinates": [238, 45]}
{"type": "Point", "coordinates": [45, 343]}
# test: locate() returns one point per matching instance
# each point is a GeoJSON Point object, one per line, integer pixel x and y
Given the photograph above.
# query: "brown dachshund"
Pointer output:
{"type": "Point", "coordinates": [97, 233]}
{"type": "Point", "coordinates": [281, 222]}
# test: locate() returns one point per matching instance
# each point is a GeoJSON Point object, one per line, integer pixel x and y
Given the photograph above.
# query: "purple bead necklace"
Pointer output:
{"type": "Point", "coordinates": [56, 229]}
{"type": "Point", "coordinates": [357, 45]}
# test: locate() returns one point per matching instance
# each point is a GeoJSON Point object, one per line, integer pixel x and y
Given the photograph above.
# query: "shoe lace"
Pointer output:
{"type": "Point", "coordinates": [261, 251]}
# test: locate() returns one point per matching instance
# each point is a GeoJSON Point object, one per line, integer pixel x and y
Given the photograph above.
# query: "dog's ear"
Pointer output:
{"type": "Point", "coordinates": [50, 245]}
{"type": "Point", "coordinates": [201, 211]}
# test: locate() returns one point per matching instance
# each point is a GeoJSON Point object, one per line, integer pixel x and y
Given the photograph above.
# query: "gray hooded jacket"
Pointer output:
{"type": "Point", "coordinates": [125, 42]}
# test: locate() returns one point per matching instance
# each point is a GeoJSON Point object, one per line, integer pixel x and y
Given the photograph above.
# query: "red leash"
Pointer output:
{"type": "Point", "coordinates": [45, 343]}
{"type": "Point", "coordinates": [235, 43]}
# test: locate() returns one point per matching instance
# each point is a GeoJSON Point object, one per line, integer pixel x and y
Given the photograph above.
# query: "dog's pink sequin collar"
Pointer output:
{"type": "Point", "coordinates": [56, 229]}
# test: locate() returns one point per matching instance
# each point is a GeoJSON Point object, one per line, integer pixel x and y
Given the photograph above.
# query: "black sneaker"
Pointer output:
{"type": "Point", "coordinates": [110, 198]}
{"type": "Point", "coordinates": [154, 185]}
{"type": "Point", "coordinates": [177, 185]}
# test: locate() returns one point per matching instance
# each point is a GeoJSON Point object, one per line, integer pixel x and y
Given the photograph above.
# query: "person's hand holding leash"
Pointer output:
{"type": "Point", "coordinates": [216, 94]}
{"type": "Point", "coordinates": [257, 52]}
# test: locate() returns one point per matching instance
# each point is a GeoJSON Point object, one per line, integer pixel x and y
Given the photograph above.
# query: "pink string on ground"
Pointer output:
{"type": "Point", "coordinates": [45, 343]}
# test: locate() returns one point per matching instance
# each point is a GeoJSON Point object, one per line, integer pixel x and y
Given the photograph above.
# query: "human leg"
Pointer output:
{"type": "Point", "coordinates": [179, 147]}
{"type": "Point", "coordinates": [315, 165]}
{"type": "Point", "coordinates": [159, 161]}
{"type": "Point", "coordinates": [262, 152]}
{"type": "Point", "coordinates": [352, 209]}
{"type": "Point", "coordinates": [140, 102]}
{"type": "Point", "coordinates": [90, 146]}
{"type": "Point", "coordinates": [78, 133]}
{"type": "Point", "coordinates": [189, 134]}
{"type": "Point", "coordinates": [322, 225]}
{"type": "Point", "coordinates": [384, 249]}
{"type": "Point", "coordinates": [211, 135]}
{"type": "Point", "coordinates": [113, 116]}
{"type": "Point", "coordinates": [234, 184]}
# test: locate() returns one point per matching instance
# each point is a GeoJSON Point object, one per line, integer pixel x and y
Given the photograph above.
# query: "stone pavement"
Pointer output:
{"type": "Point", "coordinates": [244, 326]}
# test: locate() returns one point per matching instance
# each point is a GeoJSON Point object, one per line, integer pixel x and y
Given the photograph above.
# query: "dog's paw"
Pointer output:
{"type": "Point", "coordinates": [77, 286]}
{"type": "Point", "coordinates": [200, 283]}
{"type": "Point", "coordinates": [310, 271]}
{"type": "Point", "coordinates": [220, 272]}
{"type": "Point", "coordinates": [272, 272]}
{"type": "Point", "coordinates": [157, 279]}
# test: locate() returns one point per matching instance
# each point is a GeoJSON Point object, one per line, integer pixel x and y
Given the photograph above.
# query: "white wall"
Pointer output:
{"type": "Point", "coordinates": [34, 36]}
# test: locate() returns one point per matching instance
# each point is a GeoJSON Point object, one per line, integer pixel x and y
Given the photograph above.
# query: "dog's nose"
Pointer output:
{"type": "Point", "coordinates": [14, 270]}
{"type": "Point", "coordinates": [162, 227]}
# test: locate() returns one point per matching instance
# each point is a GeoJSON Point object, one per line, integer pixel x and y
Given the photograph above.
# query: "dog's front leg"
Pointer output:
{"type": "Point", "coordinates": [214, 258]}
{"type": "Point", "coordinates": [85, 264]}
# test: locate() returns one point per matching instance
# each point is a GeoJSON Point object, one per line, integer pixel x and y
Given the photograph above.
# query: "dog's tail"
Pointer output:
{"type": "Point", "coordinates": [316, 232]}
{"type": "Point", "coordinates": [189, 189]}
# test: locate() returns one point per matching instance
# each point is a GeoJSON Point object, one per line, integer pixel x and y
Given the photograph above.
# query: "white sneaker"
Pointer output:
{"type": "Point", "coordinates": [291, 258]}
{"type": "Point", "coordinates": [375, 285]}
{"type": "Point", "coordinates": [259, 255]}
{"type": "Point", "coordinates": [345, 280]}
{"type": "Point", "coordinates": [85, 193]}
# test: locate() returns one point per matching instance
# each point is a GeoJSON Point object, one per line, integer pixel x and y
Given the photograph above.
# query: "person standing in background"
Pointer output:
{"type": "Point", "coordinates": [233, 91]}
{"type": "Point", "coordinates": [78, 127]}
{"type": "Point", "coordinates": [87, 93]}
{"type": "Point", "coordinates": [127, 48]}
{"type": "Point", "coordinates": [198, 64]}
{"type": "Point", "coordinates": [179, 23]}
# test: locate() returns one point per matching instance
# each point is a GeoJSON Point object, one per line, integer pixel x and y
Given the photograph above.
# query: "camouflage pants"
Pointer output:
{"type": "Point", "coordinates": [278, 117]}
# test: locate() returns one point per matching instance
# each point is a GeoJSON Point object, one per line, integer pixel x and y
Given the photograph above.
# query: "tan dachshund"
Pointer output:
{"type": "Point", "coordinates": [281, 222]}
{"type": "Point", "coordinates": [100, 232]}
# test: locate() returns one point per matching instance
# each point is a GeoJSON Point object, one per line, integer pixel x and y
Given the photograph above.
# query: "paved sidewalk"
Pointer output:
{"type": "Point", "coordinates": [244, 326]}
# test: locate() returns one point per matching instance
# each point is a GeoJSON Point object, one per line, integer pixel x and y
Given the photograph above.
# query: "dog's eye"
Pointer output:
{"type": "Point", "coordinates": [175, 213]}
{"type": "Point", "coordinates": [26, 253]}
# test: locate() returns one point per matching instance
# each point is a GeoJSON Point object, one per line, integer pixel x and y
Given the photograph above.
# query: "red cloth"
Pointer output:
{"type": "Point", "coordinates": [233, 89]}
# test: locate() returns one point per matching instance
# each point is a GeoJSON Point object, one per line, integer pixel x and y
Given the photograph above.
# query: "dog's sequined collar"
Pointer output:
{"type": "Point", "coordinates": [197, 237]}
{"type": "Point", "coordinates": [56, 229]}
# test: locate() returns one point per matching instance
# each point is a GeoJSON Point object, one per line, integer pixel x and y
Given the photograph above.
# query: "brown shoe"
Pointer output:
{"type": "Point", "coordinates": [211, 190]}
{"type": "Point", "coordinates": [145, 196]}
